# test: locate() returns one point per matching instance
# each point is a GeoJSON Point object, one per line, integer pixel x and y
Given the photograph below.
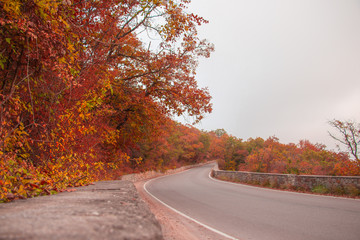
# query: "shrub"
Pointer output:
{"type": "Point", "coordinates": [337, 190]}
{"type": "Point", "coordinates": [265, 183]}
{"type": "Point", "coordinates": [274, 183]}
{"type": "Point", "coordinates": [221, 164]}
{"type": "Point", "coordinates": [352, 190]}
{"type": "Point", "coordinates": [320, 189]}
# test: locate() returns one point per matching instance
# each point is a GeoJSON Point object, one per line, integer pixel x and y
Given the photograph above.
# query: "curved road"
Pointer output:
{"type": "Point", "coordinates": [246, 212]}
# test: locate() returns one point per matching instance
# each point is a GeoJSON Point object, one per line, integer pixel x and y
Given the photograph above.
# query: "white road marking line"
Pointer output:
{"type": "Point", "coordinates": [188, 217]}
{"type": "Point", "coordinates": [275, 190]}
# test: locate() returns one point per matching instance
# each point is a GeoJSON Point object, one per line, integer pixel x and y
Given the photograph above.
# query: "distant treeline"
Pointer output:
{"type": "Point", "coordinates": [271, 156]}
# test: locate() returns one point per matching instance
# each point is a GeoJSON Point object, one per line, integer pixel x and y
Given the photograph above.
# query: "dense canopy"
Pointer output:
{"type": "Point", "coordinates": [88, 90]}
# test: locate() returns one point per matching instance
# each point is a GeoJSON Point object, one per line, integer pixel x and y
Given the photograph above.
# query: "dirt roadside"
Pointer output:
{"type": "Point", "coordinates": [175, 226]}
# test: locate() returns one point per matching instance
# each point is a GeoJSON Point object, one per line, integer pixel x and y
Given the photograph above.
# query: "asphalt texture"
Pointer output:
{"type": "Point", "coordinates": [246, 212]}
{"type": "Point", "coordinates": [107, 210]}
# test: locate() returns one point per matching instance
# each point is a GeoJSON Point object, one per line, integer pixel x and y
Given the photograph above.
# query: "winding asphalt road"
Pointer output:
{"type": "Point", "coordinates": [245, 212]}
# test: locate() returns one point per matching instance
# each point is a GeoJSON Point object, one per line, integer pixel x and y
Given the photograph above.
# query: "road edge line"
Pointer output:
{"type": "Point", "coordinates": [186, 216]}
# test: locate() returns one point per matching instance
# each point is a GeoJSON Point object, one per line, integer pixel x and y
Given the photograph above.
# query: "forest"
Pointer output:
{"type": "Point", "coordinates": [86, 96]}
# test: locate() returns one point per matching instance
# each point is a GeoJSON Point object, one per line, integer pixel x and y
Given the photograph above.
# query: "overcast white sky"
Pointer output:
{"type": "Point", "coordinates": [281, 67]}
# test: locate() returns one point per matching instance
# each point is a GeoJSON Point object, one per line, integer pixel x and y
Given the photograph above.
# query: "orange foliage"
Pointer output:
{"type": "Point", "coordinates": [304, 158]}
{"type": "Point", "coordinates": [177, 145]}
{"type": "Point", "coordinates": [84, 98]}
{"type": "Point", "coordinates": [80, 90]}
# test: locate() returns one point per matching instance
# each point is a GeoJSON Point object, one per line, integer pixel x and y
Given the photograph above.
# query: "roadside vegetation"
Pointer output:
{"type": "Point", "coordinates": [87, 94]}
{"type": "Point", "coordinates": [84, 89]}
{"type": "Point", "coordinates": [271, 156]}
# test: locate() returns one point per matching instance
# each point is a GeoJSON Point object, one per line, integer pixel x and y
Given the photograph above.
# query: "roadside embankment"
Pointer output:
{"type": "Point", "coordinates": [106, 210]}
{"type": "Point", "coordinates": [337, 185]}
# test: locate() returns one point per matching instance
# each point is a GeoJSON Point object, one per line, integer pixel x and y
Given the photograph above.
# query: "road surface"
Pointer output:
{"type": "Point", "coordinates": [245, 212]}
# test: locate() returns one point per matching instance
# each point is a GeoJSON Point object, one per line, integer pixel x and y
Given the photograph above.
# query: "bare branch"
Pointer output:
{"type": "Point", "coordinates": [350, 135]}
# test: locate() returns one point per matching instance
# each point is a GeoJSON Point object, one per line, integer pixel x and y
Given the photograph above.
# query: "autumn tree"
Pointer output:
{"type": "Point", "coordinates": [217, 145]}
{"type": "Point", "coordinates": [81, 86]}
{"type": "Point", "coordinates": [235, 153]}
{"type": "Point", "coordinates": [144, 83]}
{"type": "Point", "coordinates": [254, 144]}
{"type": "Point", "coordinates": [37, 68]}
{"type": "Point", "coordinates": [178, 145]}
{"type": "Point", "coordinates": [219, 132]}
{"type": "Point", "coordinates": [90, 64]}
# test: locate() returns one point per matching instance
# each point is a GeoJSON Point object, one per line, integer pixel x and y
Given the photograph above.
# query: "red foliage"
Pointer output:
{"type": "Point", "coordinates": [304, 158]}
{"type": "Point", "coordinates": [80, 88]}
{"type": "Point", "coordinates": [83, 97]}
